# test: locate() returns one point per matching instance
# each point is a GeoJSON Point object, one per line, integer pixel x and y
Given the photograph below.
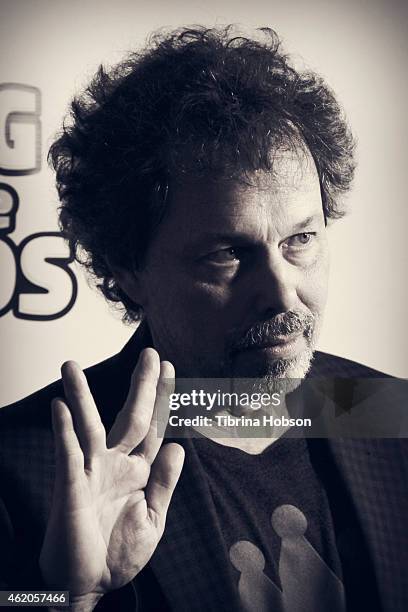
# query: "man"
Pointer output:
{"type": "Point", "coordinates": [197, 179]}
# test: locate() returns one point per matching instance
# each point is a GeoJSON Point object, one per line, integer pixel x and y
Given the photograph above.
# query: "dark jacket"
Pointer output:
{"type": "Point", "coordinates": [189, 569]}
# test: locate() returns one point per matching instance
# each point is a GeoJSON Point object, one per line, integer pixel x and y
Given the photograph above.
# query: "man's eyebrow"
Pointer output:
{"type": "Point", "coordinates": [208, 238]}
{"type": "Point", "coordinates": [306, 222]}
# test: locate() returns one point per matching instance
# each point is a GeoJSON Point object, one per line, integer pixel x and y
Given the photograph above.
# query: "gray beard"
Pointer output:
{"type": "Point", "coordinates": [281, 375]}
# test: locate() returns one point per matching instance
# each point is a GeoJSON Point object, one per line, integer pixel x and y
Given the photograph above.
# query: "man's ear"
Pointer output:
{"type": "Point", "coordinates": [130, 282]}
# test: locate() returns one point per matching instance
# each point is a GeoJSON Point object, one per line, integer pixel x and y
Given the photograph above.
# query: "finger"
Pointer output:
{"type": "Point", "coordinates": [164, 476]}
{"type": "Point", "coordinates": [68, 452]}
{"type": "Point", "coordinates": [133, 421]}
{"type": "Point", "coordinates": [151, 444]}
{"type": "Point", "coordinates": [87, 422]}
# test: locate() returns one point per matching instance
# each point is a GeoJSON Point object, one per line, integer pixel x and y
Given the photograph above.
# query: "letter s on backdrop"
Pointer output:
{"type": "Point", "coordinates": [47, 287]}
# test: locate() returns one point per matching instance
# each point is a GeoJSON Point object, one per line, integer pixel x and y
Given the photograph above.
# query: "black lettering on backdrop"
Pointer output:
{"type": "Point", "coordinates": [37, 282]}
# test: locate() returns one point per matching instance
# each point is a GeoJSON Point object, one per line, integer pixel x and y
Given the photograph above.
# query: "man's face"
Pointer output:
{"type": "Point", "coordinates": [235, 279]}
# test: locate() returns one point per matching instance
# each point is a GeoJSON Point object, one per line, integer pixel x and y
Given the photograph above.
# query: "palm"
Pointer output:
{"type": "Point", "coordinates": [105, 504]}
{"type": "Point", "coordinates": [110, 497]}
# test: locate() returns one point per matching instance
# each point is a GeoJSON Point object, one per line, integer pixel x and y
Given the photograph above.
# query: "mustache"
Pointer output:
{"type": "Point", "coordinates": [265, 332]}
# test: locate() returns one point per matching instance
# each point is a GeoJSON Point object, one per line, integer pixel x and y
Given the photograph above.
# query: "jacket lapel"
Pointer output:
{"type": "Point", "coordinates": [376, 476]}
{"type": "Point", "coordinates": [374, 472]}
{"type": "Point", "coordinates": [191, 562]}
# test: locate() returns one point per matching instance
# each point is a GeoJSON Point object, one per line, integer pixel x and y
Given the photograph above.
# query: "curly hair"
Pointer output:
{"type": "Point", "coordinates": [194, 101]}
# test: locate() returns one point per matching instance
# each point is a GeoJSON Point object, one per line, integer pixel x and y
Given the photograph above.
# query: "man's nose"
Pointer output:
{"type": "Point", "coordinates": [274, 287]}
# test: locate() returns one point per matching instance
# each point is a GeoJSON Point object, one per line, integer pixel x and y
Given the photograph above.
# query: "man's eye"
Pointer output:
{"type": "Point", "coordinates": [223, 256]}
{"type": "Point", "coordinates": [300, 240]}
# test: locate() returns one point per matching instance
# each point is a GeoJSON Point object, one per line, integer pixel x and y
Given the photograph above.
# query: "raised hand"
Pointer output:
{"type": "Point", "coordinates": [111, 495]}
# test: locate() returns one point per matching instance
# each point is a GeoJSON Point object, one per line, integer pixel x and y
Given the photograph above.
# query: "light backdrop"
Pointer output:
{"type": "Point", "coordinates": [50, 48]}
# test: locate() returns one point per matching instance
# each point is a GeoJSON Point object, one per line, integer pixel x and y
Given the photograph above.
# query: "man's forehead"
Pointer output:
{"type": "Point", "coordinates": [289, 164]}
{"type": "Point", "coordinates": [291, 184]}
